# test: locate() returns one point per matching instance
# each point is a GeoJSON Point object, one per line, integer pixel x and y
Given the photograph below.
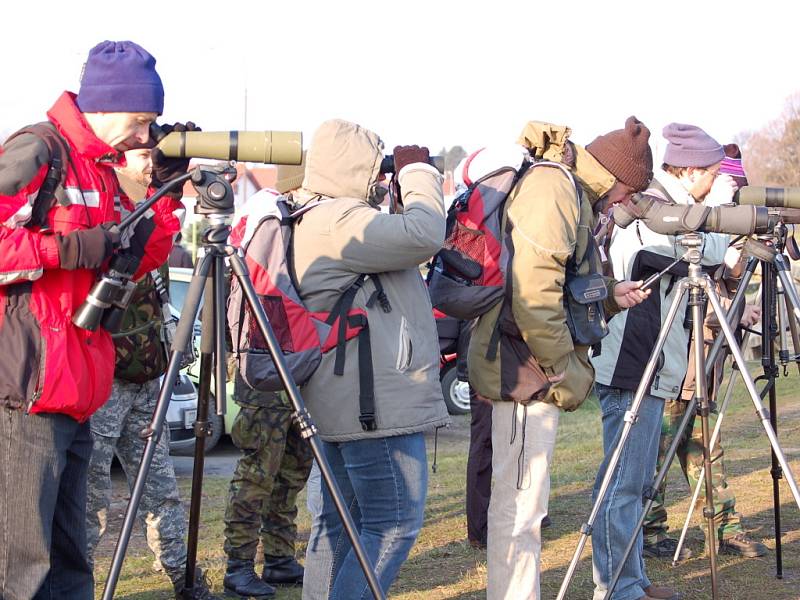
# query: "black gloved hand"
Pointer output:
{"type": "Point", "coordinates": [405, 155]}
{"type": "Point", "coordinates": [87, 248]}
{"type": "Point", "coordinates": [165, 168]}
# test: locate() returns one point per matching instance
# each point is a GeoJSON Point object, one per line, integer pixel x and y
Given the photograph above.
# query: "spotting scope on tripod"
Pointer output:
{"type": "Point", "coordinates": [698, 288]}
{"type": "Point", "coordinates": [215, 202]}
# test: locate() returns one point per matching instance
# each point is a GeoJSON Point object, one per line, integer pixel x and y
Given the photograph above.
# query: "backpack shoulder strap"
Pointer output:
{"type": "Point", "coordinates": [56, 174]}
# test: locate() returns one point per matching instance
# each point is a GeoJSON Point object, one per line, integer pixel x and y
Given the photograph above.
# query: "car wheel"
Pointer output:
{"type": "Point", "coordinates": [455, 392]}
{"type": "Point", "coordinates": [216, 431]}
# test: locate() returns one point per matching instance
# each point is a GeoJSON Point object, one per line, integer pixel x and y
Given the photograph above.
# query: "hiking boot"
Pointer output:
{"type": "Point", "coordinates": [665, 548]}
{"type": "Point", "coordinates": [241, 581]}
{"type": "Point", "coordinates": [660, 593]}
{"type": "Point", "coordinates": [741, 545]}
{"type": "Point", "coordinates": [282, 570]}
{"type": "Point", "coordinates": [200, 591]}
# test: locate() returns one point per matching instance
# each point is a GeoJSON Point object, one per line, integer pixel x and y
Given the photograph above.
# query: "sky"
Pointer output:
{"type": "Point", "coordinates": [435, 72]}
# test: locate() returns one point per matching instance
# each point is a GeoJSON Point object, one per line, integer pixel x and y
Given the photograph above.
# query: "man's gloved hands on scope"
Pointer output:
{"type": "Point", "coordinates": [165, 168]}
{"type": "Point", "coordinates": [406, 155]}
{"type": "Point", "coordinates": [87, 248]}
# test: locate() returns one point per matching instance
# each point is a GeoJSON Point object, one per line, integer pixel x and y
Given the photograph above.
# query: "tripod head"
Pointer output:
{"type": "Point", "coordinates": [693, 243]}
{"type": "Point", "coordinates": [214, 190]}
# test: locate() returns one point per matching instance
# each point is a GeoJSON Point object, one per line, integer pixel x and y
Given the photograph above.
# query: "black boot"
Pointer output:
{"type": "Point", "coordinates": [282, 570]}
{"type": "Point", "coordinates": [241, 580]}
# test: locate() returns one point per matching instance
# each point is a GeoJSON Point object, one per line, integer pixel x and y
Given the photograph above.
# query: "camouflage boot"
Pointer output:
{"type": "Point", "coordinates": [241, 581]}
{"type": "Point", "coordinates": [200, 591]}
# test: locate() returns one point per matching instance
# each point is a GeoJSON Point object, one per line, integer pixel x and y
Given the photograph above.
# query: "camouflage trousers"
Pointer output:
{"type": "Point", "coordinates": [115, 430]}
{"type": "Point", "coordinates": [273, 468]}
{"type": "Point", "coordinates": [690, 455]}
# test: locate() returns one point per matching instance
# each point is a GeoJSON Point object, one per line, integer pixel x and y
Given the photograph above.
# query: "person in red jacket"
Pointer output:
{"type": "Point", "coordinates": [54, 375]}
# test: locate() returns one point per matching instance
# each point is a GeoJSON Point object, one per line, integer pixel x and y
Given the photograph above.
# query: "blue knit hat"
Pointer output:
{"type": "Point", "coordinates": [120, 77]}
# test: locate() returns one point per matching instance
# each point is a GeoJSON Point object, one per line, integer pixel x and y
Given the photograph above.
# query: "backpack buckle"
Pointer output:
{"type": "Point", "coordinates": [367, 421]}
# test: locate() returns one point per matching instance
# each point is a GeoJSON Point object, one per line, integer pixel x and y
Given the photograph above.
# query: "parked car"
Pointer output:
{"type": "Point", "coordinates": [455, 392]}
{"type": "Point", "coordinates": [181, 414]}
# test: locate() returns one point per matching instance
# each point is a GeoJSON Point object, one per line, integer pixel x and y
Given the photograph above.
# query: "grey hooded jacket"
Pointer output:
{"type": "Point", "coordinates": [346, 236]}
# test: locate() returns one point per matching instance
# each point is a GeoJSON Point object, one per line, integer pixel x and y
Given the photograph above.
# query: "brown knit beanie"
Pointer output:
{"type": "Point", "coordinates": [289, 177]}
{"type": "Point", "coordinates": [626, 154]}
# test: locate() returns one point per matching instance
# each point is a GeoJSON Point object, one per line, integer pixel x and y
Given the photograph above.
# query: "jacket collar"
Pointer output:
{"type": "Point", "coordinates": [71, 123]}
{"type": "Point", "coordinates": [596, 180]}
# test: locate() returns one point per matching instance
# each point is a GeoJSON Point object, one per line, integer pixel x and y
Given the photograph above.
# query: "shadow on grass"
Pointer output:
{"type": "Point", "coordinates": [441, 566]}
{"type": "Point", "coordinates": [692, 577]}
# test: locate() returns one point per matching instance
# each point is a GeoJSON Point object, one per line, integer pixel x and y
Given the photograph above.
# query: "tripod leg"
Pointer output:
{"type": "Point", "coordinates": [153, 432]}
{"type": "Point", "coordinates": [630, 418]}
{"type": "Point", "coordinates": [793, 328]}
{"type": "Point", "coordinates": [211, 340]}
{"type": "Point", "coordinates": [688, 415]}
{"type": "Point", "coordinates": [714, 438]}
{"type": "Point", "coordinates": [762, 413]}
{"type": "Point", "coordinates": [662, 473]}
{"type": "Point", "coordinates": [736, 302]}
{"type": "Point", "coordinates": [701, 393]}
{"type": "Point", "coordinates": [769, 306]}
{"type": "Point", "coordinates": [308, 429]}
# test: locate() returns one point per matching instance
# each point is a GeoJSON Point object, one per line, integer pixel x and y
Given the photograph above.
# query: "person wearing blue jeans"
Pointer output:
{"type": "Point", "coordinates": [374, 395]}
{"type": "Point", "coordinates": [688, 174]}
{"type": "Point", "coordinates": [384, 482]}
{"type": "Point", "coordinates": [622, 505]}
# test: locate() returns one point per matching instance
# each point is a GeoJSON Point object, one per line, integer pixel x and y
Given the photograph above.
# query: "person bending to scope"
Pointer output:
{"type": "Point", "coordinates": [59, 196]}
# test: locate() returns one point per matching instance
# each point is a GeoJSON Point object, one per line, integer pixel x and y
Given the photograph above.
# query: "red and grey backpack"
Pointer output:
{"type": "Point", "coordinates": [303, 335]}
{"type": "Point", "coordinates": [466, 278]}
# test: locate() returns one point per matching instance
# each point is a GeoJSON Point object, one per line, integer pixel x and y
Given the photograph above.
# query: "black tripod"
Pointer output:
{"type": "Point", "coordinates": [698, 286]}
{"type": "Point", "coordinates": [215, 202]}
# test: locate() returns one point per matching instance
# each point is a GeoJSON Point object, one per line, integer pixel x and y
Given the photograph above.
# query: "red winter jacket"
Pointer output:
{"type": "Point", "coordinates": [46, 363]}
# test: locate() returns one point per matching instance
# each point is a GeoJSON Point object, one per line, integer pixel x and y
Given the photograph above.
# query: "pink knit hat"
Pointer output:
{"type": "Point", "coordinates": [732, 164]}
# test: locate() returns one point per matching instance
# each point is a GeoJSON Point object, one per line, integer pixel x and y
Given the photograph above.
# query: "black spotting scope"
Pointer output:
{"type": "Point", "coordinates": [270, 147]}
{"type": "Point", "coordinates": [387, 164]}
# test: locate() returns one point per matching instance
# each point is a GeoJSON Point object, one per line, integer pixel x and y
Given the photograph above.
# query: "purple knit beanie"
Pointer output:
{"type": "Point", "coordinates": [690, 146]}
{"type": "Point", "coordinates": [120, 77]}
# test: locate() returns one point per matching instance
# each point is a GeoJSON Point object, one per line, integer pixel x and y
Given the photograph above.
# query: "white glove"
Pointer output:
{"type": "Point", "coordinates": [721, 192]}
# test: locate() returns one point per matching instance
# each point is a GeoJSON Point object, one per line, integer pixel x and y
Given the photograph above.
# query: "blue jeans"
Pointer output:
{"type": "Point", "coordinates": [622, 506]}
{"type": "Point", "coordinates": [43, 464]}
{"type": "Point", "coordinates": [384, 481]}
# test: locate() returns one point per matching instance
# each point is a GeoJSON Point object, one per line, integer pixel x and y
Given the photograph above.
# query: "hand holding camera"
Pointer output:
{"type": "Point", "coordinates": [164, 167]}
{"type": "Point", "coordinates": [87, 248]}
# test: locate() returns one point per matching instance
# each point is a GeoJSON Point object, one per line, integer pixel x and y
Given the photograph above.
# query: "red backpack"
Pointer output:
{"type": "Point", "coordinates": [303, 335]}
{"type": "Point", "coordinates": [466, 278]}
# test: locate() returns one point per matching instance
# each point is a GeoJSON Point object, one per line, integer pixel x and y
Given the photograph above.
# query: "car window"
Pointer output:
{"type": "Point", "coordinates": [177, 293]}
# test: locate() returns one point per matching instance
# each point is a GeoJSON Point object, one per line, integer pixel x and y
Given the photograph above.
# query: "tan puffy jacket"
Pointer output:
{"type": "Point", "coordinates": [549, 227]}
{"type": "Point", "coordinates": [338, 240]}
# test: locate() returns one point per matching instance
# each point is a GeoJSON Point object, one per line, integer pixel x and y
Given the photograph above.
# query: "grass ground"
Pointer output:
{"type": "Point", "coordinates": [443, 566]}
